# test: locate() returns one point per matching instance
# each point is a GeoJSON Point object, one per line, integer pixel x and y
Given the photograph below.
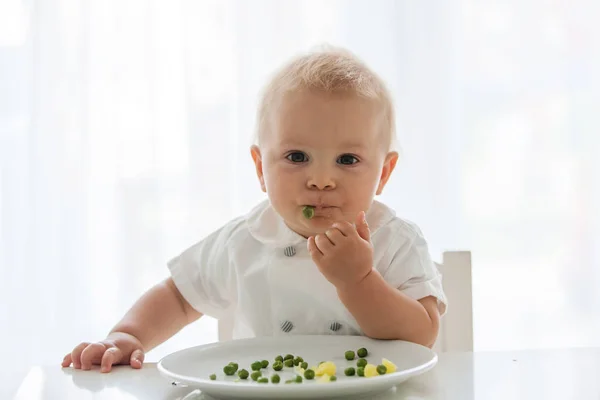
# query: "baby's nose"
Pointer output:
{"type": "Point", "coordinates": [321, 180]}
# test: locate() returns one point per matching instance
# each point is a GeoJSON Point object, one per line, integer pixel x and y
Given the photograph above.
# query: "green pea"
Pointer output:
{"type": "Point", "coordinates": [304, 365]}
{"type": "Point", "coordinates": [257, 365]}
{"type": "Point", "coordinates": [288, 357]}
{"type": "Point", "coordinates": [309, 374]}
{"type": "Point", "coordinates": [349, 371]}
{"type": "Point", "coordinates": [279, 358]}
{"type": "Point", "coordinates": [360, 371]}
{"type": "Point", "coordinates": [289, 362]}
{"type": "Point", "coordinates": [264, 363]}
{"type": "Point", "coordinates": [333, 378]}
{"type": "Point", "coordinates": [362, 362]}
{"type": "Point", "coordinates": [308, 212]}
{"type": "Point", "coordinates": [263, 380]}
{"type": "Point", "coordinates": [255, 375]}
{"type": "Point", "coordinates": [362, 352]}
{"type": "Point", "coordinates": [229, 370]}
{"type": "Point", "coordinates": [275, 378]}
{"type": "Point", "coordinates": [243, 374]}
{"type": "Point", "coordinates": [277, 365]}
{"type": "Point", "coordinates": [298, 379]}
{"type": "Point", "coordinates": [381, 369]}
{"type": "Point", "coordinates": [298, 361]}
{"type": "Point", "coordinates": [349, 355]}
{"type": "Point", "coordinates": [213, 377]}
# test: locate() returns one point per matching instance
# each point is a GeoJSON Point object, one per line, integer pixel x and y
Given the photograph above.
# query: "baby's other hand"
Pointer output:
{"type": "Point", "coordinates": [117, 348]}
{"type": "Point", "coordinates": [344, 254]}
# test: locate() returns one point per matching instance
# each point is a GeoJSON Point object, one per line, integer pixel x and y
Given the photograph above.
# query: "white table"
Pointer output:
{"type": "Point", "coordinates": [541, 374]}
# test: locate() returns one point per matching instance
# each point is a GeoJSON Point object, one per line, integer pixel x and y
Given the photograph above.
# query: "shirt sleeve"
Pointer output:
{"type": "Point", "coordinates": [411, 269]}
{"type": "Point", "coordinates": [204, 274]}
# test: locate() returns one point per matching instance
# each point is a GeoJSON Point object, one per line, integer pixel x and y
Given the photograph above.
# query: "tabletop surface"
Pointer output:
{"type": "Point", "coordinates": [536, 374]}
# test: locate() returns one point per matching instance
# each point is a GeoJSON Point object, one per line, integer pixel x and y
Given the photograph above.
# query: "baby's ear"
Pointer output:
{"type": "Point", "coordinates": [257, 158]}
{"type": "Point", "coordinates": [388, 166]}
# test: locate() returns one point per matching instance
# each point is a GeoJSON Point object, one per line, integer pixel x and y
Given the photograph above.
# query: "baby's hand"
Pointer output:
{"type": "Point", "coordinates": [344, 254]}
{"type": "Point", "coordinates": [117, 348]}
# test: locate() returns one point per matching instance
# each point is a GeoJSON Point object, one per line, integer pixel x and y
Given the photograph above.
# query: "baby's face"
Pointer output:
{"type": "Point", "coordinates": [326, 151]}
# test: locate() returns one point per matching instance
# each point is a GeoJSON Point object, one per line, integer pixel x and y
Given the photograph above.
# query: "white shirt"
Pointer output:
{"type": "Point", "coordinates": [260, 271]}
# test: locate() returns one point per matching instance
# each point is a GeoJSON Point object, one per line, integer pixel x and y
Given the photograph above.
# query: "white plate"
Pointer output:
{"type": "Point", "coordinates": [193, 366]}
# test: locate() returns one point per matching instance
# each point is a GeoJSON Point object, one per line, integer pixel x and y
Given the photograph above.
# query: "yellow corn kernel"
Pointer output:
{"type": "Point", "coordinates": [324, 378]}
{"type": "Point", "coordinates": [391, 367]}
{"type": "Point", "coordinates": [327, 367]}
{"type": "Point", "coordinates": [370, 371]}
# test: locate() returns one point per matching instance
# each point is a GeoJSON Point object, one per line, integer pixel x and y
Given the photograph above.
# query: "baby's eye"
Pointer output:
{"type": "Point", "coordinates": [297, 157]}
{"type": "Point", "coordinates": [347, 159]}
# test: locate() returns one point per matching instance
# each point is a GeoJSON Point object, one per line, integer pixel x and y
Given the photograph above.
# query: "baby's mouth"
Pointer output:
{"type": "Point", "coordinates": [322, 210]}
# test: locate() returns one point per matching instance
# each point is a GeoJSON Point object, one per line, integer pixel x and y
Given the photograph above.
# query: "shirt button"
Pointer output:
{"type": "Point", "coordinates": [335, 326]}
{"type": "Point", "coordinates": [289, 251]}
{"type": "Point", "coordinates": [287, 326]}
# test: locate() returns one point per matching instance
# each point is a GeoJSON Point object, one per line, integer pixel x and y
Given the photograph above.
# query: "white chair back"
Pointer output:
{"type": "Point", "coordinates": [456, 328]}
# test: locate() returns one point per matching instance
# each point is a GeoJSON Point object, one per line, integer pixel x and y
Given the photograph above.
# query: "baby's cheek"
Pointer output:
{"type": "Point", "coordinates": [361, 190]}
{"type": "Point", "coordinates": [279, 179]}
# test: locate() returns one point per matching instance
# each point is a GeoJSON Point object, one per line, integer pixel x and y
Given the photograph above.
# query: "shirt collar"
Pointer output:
{"type": "Point", "coordinates": [267, 226]}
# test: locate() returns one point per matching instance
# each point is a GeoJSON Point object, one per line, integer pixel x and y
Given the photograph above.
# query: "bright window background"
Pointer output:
{"type": "Point", "coordinates": [125, 126]}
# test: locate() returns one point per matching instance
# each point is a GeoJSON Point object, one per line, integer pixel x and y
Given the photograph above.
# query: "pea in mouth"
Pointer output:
{"type": "Point", "coordinates": [308, 212]}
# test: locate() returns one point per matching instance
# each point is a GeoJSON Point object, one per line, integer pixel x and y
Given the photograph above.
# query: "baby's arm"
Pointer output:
{"type": "Point", "coordinates": [384, 312]}
{"type": "Point", "coordinates": [155, 317]}
{"type": "Point", "coordinates": [344, 254]}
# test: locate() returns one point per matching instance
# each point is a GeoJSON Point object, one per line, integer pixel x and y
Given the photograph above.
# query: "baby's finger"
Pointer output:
{"type": "Point", "coordinates": [137, 359]}
{"type": "Point", "coordinates": [323, 243]}
{"type": "Point", "coordinates": [362, 227]}
{"type": "Point", "coordinates": [345, 227]}
{"type": "Point", "coordinates": [66, 361]}
{"type": "Point", "coordinates": [76, 354]}
{"type": "Point", "coordinates": [334, 235]}
{"type": "Point", "coordinates": [92, 355]}
{"type": "Point", "coordinates": [111, 356]}
{"type": "Point", "coordinates": [314, 251]}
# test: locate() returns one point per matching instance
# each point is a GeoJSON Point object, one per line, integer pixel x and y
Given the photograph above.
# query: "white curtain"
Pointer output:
{"type": "Point", "coordinates": [125, 127]}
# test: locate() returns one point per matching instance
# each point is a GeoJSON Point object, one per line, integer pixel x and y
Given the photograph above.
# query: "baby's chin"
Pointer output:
{"type": "Point", "coordinates": [318, 224]}
{"type": "Point", "coordinates": [311, 227]}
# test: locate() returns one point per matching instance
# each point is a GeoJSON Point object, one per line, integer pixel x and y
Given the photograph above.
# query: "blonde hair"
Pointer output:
{"type": "Point", "coordinates": [329, 70]}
